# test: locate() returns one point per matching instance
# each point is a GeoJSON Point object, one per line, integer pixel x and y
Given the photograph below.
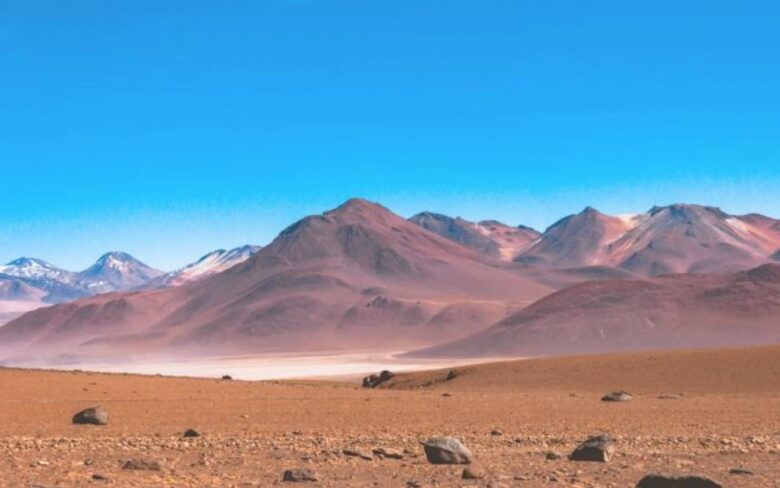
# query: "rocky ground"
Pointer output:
{"type": "Point", "coordinates": [718, 418]}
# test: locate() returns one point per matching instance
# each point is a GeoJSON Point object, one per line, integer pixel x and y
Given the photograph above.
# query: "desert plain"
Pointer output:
{"type": "Point", "coordinates": [713, 413]}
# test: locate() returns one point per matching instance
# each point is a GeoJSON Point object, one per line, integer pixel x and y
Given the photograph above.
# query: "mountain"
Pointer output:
{"type": "Point", "coordinates": [489, 237]}
{"type": "Point", "coordinates": [577, 240]}
{"type": "Point", "coordinates": [37, 269]}
{"type": "Point", "coordinates": [30, 283]}
{"type": "Point", "coordinates": [358, 276]}
{"type": "Point", "coordinates": [669, 312]}
{"type": "Point", "coordinates": [672, 239]}
{"type": "Point", "coordinates": [115, 271]}
{"type": "Point", "coordinates": [210, 264]}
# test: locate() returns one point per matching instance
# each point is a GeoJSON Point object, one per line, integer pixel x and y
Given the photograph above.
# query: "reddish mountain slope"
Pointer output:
{"type": "Point", "coordinates": [488, 237]}
{"type": "Point", "coordinates": [674, 311]}
{"type": "Point", "coordinates": [358, 276]}
{"type": "Point", "coordinates": [672, 239]}
{"type": "Point", "coordinates": [577, 240]}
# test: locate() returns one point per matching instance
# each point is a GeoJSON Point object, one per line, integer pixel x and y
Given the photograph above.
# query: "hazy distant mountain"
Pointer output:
{"type": "Point", "coordinates": [210, 264]}
{"type": "Point", "coordinates": [671, 239]}
{"type": "Point", "coordinates": [116, 271]}
{"type": "Point", "coordinates": [675, 311]}
{"type": "Point", "coordinates": [37, 269]}
{"type": "Point", "coordinates": [489, 237]}
{"type": "Point", "coordinates": [30, 283]}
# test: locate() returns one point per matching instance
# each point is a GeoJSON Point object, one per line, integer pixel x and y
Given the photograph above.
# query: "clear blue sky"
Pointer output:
{"type": "Point", "coordinates": [169, 128]}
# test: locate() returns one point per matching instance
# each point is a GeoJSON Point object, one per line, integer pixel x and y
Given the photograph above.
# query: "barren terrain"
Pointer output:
{"type": "Point", "coordinates": [509, 414]}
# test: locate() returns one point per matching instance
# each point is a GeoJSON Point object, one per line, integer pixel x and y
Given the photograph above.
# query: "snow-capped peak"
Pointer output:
{"type": "Point", "coordinates": [36, 269]}
{"type": "Point", "coordinates": [208, 265]}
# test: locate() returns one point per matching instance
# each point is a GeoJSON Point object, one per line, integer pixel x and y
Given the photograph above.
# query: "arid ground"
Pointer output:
{"type": "Point", "coordinates": [511, 415]}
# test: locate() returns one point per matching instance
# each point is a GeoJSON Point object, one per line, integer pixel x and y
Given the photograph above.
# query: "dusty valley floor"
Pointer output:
{"type": "Point", "coordinates": [511, 415]}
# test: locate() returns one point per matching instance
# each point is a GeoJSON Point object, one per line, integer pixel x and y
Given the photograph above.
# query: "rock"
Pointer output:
{"type": "Point", "coordinates": [446, 450]}
{"type": "Point", "coordinates": [597, 448]}
{"type": "Point", "coordinates": [141, 465]}
{"type": "Point", "coordinates": [357, 453]}
{"type": "Point", "coordinates": [617, 396]}
{"type": "Point", "coordinates": [451, 375]}
{"type": "Point", "coordinates": [91, 416]}
{"type": "Point", "coordinates": [670, 396]}
{"type": "Point", "coordinates": [383, 453]}
{"type": "Point", "coordinates": [553, 456]}
{"type": "Point", "coordinates": [227, 377]}
{"type": "Point", "coordinates": [740, 471]}
{"type": "Point", "coordinates": [473, 472]}
{"type": "Point", "coordinates": [299, 475]}
{"type": "Point", "coordinates": [660, 481]}
{"type": "Point", "coordinates": [191, 433]}
{"type": "Point", "coordinates": [496, 433]}
{"type": "Point", "coordinates": [99, 477]}
{"type": "Point", "coordinates": [446, 395]}
{"type": "Point", "coordinates": [375, 380]}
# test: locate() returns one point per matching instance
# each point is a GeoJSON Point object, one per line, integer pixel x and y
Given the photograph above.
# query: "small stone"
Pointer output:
{"type": "Point", "coordinates": [358, 454]}
{"type": "Point", "coordinates": [496, 433]}
{"type": "Point", "coordinates": [446, 395]}
{"type": "Point", "coordinates": [670, 396]}
{"type": "Point", "coordinates": [617, 396]}
{"type": "Point", "coordinates": [473, 472]}
{"type": "Point", "coordinates": [91, 416]}
{"type": "Point", "coordinates": [446, 450]}
{"type": "Point", "coordinates": [740, 471]}
{"type": "Point", "coordinates": [99, 477]}
{"type": "Point", "coordinates": [191, 433]}
{"type": "Point", "coordinates": [375, 380]}
{"type": "Point", "coordinates": [227, 377]}
{"type": "Point", "coordinates": [553, 456]}
{"type": "Point", "coordinates": [661, 481]}
{"type": "Point", "coordinates": [141, 465]}
{"type": "Point", "coordinates": [597, 448]}
{"type": "Point", "coordinates": [383, 453]}
{"type": "Point", "coordinates": [299, 475]}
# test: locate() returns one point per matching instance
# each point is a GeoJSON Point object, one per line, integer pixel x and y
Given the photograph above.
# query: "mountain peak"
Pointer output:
{"type": "Point", "coordinates": [30, 262]}
{"type": "Point", "coordinates": [687, 209]}
{"type": "Point", "coordinates": [358, 204]}
{"type": "Point", "coordinates": [116, 270]}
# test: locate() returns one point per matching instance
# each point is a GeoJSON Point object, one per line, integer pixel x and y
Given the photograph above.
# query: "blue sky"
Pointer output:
{"type": "Point", "coordinates": [167, 129]}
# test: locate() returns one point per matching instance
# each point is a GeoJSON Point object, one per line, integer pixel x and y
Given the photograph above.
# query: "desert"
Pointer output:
{"type": "Point", "coordinates": [709, 413]}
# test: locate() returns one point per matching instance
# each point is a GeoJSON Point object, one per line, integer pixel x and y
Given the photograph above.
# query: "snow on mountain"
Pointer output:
{"type": "Point", "coordinates": [210, 264]}
{"type": "Point", "coordinates": [116, 271]}
{"type": "Point", "coordinates": [37, 269]}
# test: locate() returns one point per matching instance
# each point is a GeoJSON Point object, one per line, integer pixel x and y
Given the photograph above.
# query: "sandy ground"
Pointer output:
{"type": "Point", "coordinates": [509, 414]}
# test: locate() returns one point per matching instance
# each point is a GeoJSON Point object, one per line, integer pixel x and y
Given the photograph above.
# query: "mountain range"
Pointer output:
{"type": "Point", "coordinates": [29, 283]}
{"type": "Point", "coordinates": [360, 277]}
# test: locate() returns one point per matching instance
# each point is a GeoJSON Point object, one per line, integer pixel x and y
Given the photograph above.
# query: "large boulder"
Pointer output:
{"type": "Point", "coordinates": [446, 450]}
{"type": "Point", "coordinates": [91, 416]}
{"type": "Point", "coordinates": [598, 448]}
{"type": "Point", "coordinates": [661, 481]}
{"type": "Point", "coordinates": [375, 380]}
